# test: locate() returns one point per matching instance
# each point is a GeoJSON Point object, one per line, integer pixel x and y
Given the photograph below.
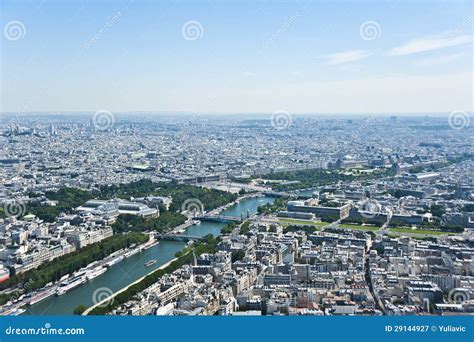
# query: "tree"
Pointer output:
{"type": "Point", "coordinates": [239, 255]}
{"type": "Point", "coordinates": [53, 270]}
{"type": "Point", "coordinates": [79, 310]}
{"type": "Point", "coordinates": [438, 210]}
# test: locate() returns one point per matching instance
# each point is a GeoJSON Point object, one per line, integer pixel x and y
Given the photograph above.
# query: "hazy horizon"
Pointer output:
{"type": "Point", "coordinates": [234, 114]}
{"type": "Point", "coordinates": [237, 57]}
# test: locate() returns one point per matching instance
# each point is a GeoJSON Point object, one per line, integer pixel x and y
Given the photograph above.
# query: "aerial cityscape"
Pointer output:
{"type": "Point", "coordinates": [362, 215]}
{"type": "Point", "coordinates": [243, 158]}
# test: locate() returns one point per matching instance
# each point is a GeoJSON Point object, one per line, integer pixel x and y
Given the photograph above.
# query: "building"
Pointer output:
{"type": "Point", "coordinates": [81, 238]}
{"type": "Point", "coordinates": [320, 211]}
{"type": "Point", "coordinates": [118, 207]}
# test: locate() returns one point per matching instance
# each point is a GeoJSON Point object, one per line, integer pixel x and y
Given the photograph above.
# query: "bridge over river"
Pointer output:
{"type": "Point", "coordinates": [180, 237]}
{"type": "Point", "coordinates": [218, 218]}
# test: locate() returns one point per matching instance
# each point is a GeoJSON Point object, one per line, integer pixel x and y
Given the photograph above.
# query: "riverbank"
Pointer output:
{"type": "Point", "coordinates": [217, 211]}
{"type": "Point", "coordinates": [125, 272]}
{"type": "Point", "coordinates": [26, 295]}
{"type": "Point", "coordinates": [107, 300]}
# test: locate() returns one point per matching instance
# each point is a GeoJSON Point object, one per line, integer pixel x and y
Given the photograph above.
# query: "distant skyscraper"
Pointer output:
{"type": "Point", "coordinates": [52, 130]}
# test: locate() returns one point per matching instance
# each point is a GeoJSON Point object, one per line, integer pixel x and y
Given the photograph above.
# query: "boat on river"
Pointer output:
{"type": "Point", "coordinates": [150, 262]}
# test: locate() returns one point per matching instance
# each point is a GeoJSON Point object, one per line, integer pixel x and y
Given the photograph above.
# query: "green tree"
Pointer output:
{"type": "Point", "coordinates": [78, 310]}
{"type": "Point", "coordinates": [53, 270]}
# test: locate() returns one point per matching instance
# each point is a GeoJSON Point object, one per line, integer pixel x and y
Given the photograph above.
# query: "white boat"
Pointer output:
{"type": "Point", "coordinates": [150, 262]}
{"type": "Point", "coordinates": [152, 244]}
{"type": "Point", "coordinates": [68, 286]}
{"type": "Point", "coordinates": [64, 277]}
{"type": "Point", "coordinates": [95, 272]}
{"type": "Point", "coordinates": [132, 252]}
{"type": "Point", "coordinates": [116, 253]}
{"type": "Point", "coordinates": [92, 264]}
{"type": "Point", "coordinates": [39, 297]}
{"type": "Point", "coordinates": [79, 273]}
{"type": "Point", "coordinates": [114, 261]}
{"type": "Point", "coordinates": [17, 312]}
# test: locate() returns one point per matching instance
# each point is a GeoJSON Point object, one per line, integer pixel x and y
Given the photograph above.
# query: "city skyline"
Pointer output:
{"type": "Point", "coordinates": [238, 57]}
{"type": "Point", "coordinates": [303, 167]}
{"type": "Point", "coordinates": [236, 216]}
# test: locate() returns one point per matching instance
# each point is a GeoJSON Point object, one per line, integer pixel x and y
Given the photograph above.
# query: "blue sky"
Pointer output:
{"type": "Point", "coordinates": [247, 56]}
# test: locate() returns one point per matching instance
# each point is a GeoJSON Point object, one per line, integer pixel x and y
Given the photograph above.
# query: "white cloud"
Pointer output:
{"type": "Point", "coordinates": [429, 44]}
{"type": "Point", "coordinates": [441, 59]}
{"type": "Point", "coordinates": [346, 57]}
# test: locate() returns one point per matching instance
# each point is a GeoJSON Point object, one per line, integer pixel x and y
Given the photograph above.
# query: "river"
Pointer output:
{"type": "Point", "coordinates": [132, 268]}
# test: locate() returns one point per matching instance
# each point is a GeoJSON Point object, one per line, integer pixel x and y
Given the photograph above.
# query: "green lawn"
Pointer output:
{"type": "Point", "coordinates": [419, 231]}
{"type": "Point", "coordinates": [301, 222]}
{"type": "Point", "coordinates": [358, 227]}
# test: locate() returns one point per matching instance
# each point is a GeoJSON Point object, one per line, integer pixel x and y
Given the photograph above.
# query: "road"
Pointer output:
{"type": "Point", "coordinates": [378, 303]}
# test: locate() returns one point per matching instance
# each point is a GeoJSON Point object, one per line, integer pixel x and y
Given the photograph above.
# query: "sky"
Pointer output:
{"type": "Point", "coordinates": [385, 56]}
